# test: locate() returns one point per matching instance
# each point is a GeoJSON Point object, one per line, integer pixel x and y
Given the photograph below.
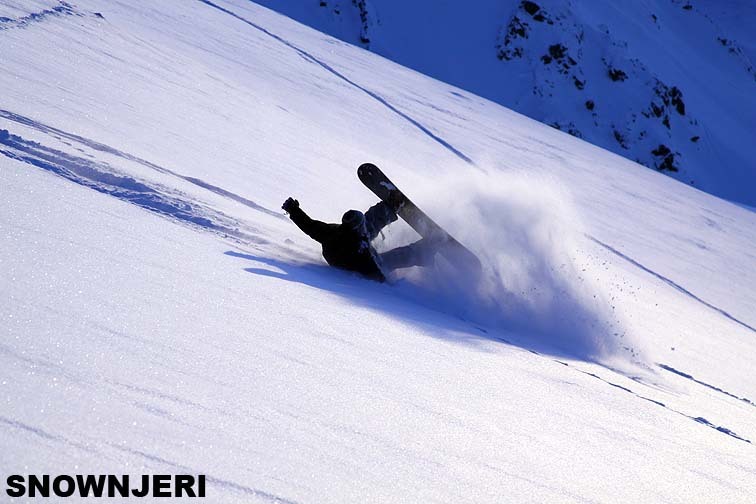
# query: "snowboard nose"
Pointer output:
{"type": "Point", "coordinates": [366, 170]}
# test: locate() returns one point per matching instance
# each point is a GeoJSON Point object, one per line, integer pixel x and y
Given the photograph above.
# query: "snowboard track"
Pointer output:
{"type": "Point", "coordinates": [210, 479]}
{"type": "Point", "coordinates": [383, 101]}
{"type": "Point", "coordinates": [697, 419]}
{"type": "Point", "coordinates": [707, 385]}
{"type": "Point", "coordinates": [672, 283]}
{"type": "Point", "coordinates": [100, 147]}
{"type": "Point", "coordinates": [106, 179]}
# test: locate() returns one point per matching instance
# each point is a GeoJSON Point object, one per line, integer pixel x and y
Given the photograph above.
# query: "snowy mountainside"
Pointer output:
{"type": "Point", "coordinates": [669, 84]}
{"type": "Point", "coordinates": [162, 315]}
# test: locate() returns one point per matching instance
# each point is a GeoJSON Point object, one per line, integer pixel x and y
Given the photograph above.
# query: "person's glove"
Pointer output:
{"type": "Point", "coordinates": [289, 205]}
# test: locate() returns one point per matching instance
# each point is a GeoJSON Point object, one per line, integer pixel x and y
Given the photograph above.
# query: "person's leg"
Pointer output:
{"type": "Point", "coordinates": [377, 217]}
{"type": "Point", "coordinates": [420, 253]}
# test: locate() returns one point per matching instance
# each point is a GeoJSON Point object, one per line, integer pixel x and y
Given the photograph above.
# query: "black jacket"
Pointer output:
{"type": "Point", "coordinates": [348, 248]}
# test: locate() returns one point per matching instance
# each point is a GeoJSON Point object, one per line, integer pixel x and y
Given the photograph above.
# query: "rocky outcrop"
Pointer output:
{"type": "Point", "coordinates": [578, 65]}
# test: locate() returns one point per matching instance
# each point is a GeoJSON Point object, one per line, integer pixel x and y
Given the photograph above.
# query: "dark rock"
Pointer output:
{"type": "Point", "coordinates": [518, 28]}
{"type": "Point", "coordinates": [590, 105]}
{"type": "Point", "coordinates": [620, 139]}
{"type": "Point", "coordinates": [660, 151]}
{"type": "Point", "coordinates": [668, 161]}
{"type": "Point", "coordinates": [508, 55]}
{"type": "Point", "coordinates": [530, 7]}
{"type": "Point", "coordinates": [578, 83]}
{"type": "Point", "coordinates": [535, 11]}
{"type": "Point", "coordinates": [695, 139]}
{"type": "Point", "coordinates": [668, 164]}
{"type": "Point", "coordinates": [568, 128]}
{"type": "Point", "coordinates": [557, 51]}
{"type": "Point", "coordinates": [515, 29]}
{"type": "Point", "coordinates": [575, 132]}
{"type": "Point", "coordinates": [617, 75]}
{"type": "Point", "coordinates": [675, 98]}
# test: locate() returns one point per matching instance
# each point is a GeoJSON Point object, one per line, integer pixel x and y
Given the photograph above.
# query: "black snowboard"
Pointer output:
{"type": "Point", "coordinates": [379, 183]}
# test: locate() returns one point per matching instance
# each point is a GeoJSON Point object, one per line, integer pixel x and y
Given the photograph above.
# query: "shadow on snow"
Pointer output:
{"type": "Point", "coordinates": [401, 303]}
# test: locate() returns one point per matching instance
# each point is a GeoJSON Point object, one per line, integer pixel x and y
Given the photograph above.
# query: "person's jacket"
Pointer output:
{"type": "Point", "coordinates": [348, 248]}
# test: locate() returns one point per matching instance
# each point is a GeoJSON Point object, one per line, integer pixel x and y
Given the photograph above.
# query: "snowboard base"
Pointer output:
{"type": "Point", "coordinates": [456, 253]}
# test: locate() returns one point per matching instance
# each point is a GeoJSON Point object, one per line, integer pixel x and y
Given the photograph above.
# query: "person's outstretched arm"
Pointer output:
{"type": "Point", "coordinates": [315, 229]}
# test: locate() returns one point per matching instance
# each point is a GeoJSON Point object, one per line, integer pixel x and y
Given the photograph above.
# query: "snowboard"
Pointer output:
{"type": "Point", "coordinates": [375, 180]}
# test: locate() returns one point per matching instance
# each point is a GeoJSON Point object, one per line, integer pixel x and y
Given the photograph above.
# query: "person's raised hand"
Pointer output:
{"type": "Point", "coordinates": [290, 204]}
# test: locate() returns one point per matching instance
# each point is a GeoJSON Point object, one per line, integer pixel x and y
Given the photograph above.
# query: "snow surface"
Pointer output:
{"type": "Point", "coordinates": [161, 314]}
{"type": "Point", "coordinates": [670, 84]}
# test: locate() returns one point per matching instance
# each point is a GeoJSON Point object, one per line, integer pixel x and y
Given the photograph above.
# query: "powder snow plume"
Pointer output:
{"type": "Point", "coordinates": [536, 279]}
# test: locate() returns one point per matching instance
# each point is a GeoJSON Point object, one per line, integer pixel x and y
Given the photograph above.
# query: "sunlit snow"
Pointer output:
{"type": "Point", "coordinates": [161, 314]}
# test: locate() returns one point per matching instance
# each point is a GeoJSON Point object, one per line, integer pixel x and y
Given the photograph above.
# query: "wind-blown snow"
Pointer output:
{"type": "Point", "coordinates": [161, 314]}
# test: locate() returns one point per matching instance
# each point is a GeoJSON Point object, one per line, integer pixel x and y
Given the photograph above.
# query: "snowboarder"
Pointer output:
{"type": "Point", "coordinates": [347, 245]}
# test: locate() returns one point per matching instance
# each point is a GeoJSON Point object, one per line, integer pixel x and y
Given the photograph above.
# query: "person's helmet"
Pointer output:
{"type": "Point", "coordinates": [353, 219]}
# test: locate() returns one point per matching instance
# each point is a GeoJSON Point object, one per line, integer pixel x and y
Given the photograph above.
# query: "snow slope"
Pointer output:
{"type": "Point", "coordinates": [667, 83]}
{"type": "Point", "coordinates": [162, 315]}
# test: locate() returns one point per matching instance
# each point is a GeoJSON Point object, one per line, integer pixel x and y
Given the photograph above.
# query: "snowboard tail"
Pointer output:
{"type": "Point", "coordinates": [375, 180]}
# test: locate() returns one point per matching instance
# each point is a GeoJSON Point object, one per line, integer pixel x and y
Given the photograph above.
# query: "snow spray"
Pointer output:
{"type": "Point", "coordinates": [528, 236]}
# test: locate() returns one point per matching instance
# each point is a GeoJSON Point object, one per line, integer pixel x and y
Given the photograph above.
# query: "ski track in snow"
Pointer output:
{"type": "Point", "coordinates": [46, 436]}
{"type": "Point", "coordinates": [104, 178]}
{"type": "Point", "coordinates": [97, 146]}
{"type": "Point", "coordinates": [210, 479]}
{"type": "Point", "coordinates": [698, 419]}
{"type": "Point", "coordinates": [383, 101]}
{"type": "Point", "coordinates": [672, 283]}
{"type": "Point", "coordinates": [28, 428]}
{"type": "Point", "coordinates": [712, 387]}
